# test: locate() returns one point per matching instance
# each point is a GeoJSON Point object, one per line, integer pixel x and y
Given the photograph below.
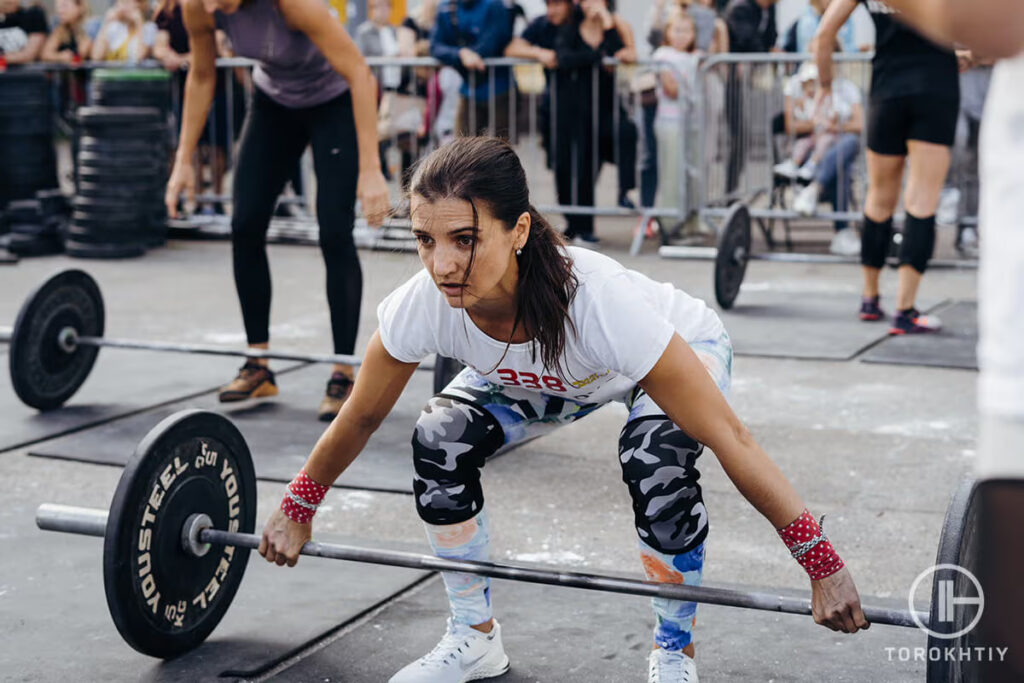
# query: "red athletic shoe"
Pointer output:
{"type": "Point", "coordinates": [870, 310]}
{"type": "Point", "coordinates": [911, 321]}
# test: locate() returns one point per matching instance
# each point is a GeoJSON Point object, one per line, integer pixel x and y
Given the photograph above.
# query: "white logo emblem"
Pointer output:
{"type": "Point", "coordinates": [948, 603]}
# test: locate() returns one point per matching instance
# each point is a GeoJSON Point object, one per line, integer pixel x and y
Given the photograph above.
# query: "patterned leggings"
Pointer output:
{"type": "Point", "coordinates": [473, 419]}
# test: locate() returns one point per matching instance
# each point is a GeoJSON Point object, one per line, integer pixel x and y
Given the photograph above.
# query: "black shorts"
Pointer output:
{"type": "Point", "coordinates": [928, 118]}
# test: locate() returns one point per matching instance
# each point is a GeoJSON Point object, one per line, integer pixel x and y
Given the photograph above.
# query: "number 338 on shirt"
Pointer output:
{"type": "Point", "coordinates": [528, 380]}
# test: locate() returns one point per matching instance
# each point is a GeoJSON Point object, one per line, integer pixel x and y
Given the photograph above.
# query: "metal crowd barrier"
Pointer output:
{"type": "Point", "coordinates": [420, 110]}
{"type": "Point", "coordinates": [732, 137]}
{"type": "Point", "coordinates": [740, 115]}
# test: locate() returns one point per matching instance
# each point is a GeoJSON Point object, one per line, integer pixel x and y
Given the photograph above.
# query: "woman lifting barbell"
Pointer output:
{"type": "Point", "coordinates": [312, 86]}
{"type": "Point", "coordinates": [549, 334]}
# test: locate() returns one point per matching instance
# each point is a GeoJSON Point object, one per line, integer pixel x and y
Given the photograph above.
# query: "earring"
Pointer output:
{"type": "Point", "coordinates": [519, 251]}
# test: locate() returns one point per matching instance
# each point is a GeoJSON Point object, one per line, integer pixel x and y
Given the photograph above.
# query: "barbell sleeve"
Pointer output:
{"type": "Point", "coordinates": [72, 520]}
{"type": "Point", "coordinates": [93, 523]}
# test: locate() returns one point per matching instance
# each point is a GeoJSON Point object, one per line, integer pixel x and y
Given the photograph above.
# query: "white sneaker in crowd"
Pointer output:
{"type": "Point", "coordinates": [845, 243]}
{"type": "Point", "coordinates": [464, 654]}
{"type": "Point", "coordinates": [948, 212]}
{"type": "Point", "coordinates": [671, 666]}
{"type": "Point", "coordinates": [787, 169]}
{"type": "Point", "coordinates": [806, 201]}
{"type": "Point", "coordinates": [807, 171]}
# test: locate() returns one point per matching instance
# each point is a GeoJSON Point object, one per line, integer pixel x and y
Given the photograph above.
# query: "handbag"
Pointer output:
{"type": "Point", "coordinates": [399, 113]}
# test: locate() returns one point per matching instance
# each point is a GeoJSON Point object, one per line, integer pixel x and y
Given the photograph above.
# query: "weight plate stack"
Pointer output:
{"type": "Point", "coordinates": [121, 170]}
{"type": "Point", "coordinates": [131, 88]}
{"type": "Point", "coordinates": [28, 162]}
{"type": "Point", "coordinates": [36, 225]}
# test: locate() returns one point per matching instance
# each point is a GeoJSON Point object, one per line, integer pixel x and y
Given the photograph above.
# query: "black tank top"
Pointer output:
{"type": "Point", "coordinates": [906, 63]}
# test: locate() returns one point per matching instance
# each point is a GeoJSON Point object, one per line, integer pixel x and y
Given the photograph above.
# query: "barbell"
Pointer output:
{"type": "Point", "coordinates": [180, 529]}
{"type": "Point", "coordinates": [59, 331]}
{"type": "Point", "coordinates": [734, 251]}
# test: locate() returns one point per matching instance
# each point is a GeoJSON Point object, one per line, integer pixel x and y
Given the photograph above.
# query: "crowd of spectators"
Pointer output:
{"type": "Point", "coordinates": [585, 116]}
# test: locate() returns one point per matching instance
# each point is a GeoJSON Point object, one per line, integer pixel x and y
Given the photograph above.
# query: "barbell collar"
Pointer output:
{"type": "Point", "coordinates": [93, 523]}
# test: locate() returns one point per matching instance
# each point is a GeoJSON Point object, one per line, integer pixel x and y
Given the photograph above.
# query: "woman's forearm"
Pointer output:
{"type": "Point", "coordinates": [759, 479]}
{"type": "Point", "coordinates": [364, 108]}
{"type": "Point", "coordinates": [337, 448]}
{"type": "Point", "coordinates": [199, 92]}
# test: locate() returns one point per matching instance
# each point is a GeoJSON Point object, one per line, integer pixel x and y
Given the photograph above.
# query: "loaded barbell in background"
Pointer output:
{"type": "Point", "coordinates": [59, 331]}
{"type": "Point", "coordinates": [180, 528]}
{"type": "Point", "coordinates": [735, 250]}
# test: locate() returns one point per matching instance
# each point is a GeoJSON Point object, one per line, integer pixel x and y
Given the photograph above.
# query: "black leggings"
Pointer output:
{"type": "Point", "coordinates": [272, 142]}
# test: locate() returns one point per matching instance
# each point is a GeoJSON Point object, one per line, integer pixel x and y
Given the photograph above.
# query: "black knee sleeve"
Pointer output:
{"type": "Point", "coordinates": [918, 242]}
{"type": "Point", "coordinates": [659, 467]}
{"type": "Point", "coordinates": [874, 242]}
{"type": "Point", "coordinates": [450, 444]}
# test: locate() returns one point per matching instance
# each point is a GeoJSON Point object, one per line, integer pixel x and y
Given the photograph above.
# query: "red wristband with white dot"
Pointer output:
{"type": "Point", "coordinates": [302, 498]}
{"type": "Point", "coordinates": [810, 547]}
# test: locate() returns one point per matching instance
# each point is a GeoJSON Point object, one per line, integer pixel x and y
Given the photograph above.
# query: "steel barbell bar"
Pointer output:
{"type": "Point", "coordinates": [59, 331]}
{"type": "Point", "coordinates": [182, 523]}
{"type": "Point", "coordinates": [93, 522]}
{"type": "Point", "coordinates": [68, 340]}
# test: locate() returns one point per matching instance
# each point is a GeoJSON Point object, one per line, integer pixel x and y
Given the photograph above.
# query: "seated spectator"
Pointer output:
{"type": "Point", "coordinates": [69, 43]}
{"type": "Point", "coordinates": [467, 32]}
{"type": "Point", "coordinates": [841, 116]}
{"type": "Point", "coordinates": [22, 32]}
{"type": "Point", "coordinates": [675, 84]}
{"type": "Point", "coordinates": [811, 143]}
{"type": "Point", "coordinates": [126, 34]}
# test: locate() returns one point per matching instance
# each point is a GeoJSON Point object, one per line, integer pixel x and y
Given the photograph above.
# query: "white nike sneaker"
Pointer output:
{"type": "Point", "coordinates": [807, 171]}
{"type": "Point", "coordinates": [806, 201]}
{"type": "Point", "coordinates": [671, 666]}
{"type": "Point", "coordinates": [464, 654]}
{"type": "Point", "coordinates": [787, 169]}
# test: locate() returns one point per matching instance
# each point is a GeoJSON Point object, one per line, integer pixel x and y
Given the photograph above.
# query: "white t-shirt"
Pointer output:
{"type": "Point", "coordinates": [624, 321]}
{"type": "Point", "coordinates": [684, 66]}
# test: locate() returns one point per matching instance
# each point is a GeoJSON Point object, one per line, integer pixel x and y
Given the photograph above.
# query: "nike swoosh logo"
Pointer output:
{"type": "Point", "coordinates": [466, 666]}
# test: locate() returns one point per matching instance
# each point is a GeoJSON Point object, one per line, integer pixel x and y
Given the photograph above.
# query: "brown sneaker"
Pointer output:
{"type": "Point", "coordinates": [253, 381]}
{"type": "Point", "coordinates": [339, 388]}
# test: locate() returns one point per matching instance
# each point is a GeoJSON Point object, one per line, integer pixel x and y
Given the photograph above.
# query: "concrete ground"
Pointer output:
{"type": "Point", "coordinates": [878, 448]}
